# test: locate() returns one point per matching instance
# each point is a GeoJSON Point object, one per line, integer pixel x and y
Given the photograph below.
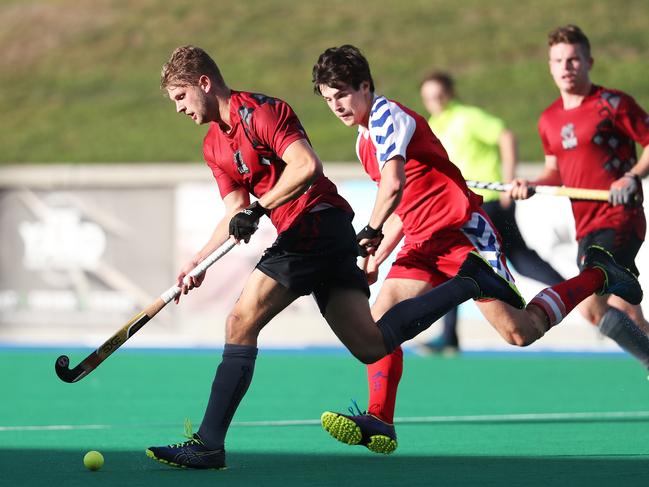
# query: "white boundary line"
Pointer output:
{"type": "Point", "coordinates": [531, 417]}
{"type": "Point", "coordinates": [483, 418]}
{"type": "Point", "coordinates": [57, 427]}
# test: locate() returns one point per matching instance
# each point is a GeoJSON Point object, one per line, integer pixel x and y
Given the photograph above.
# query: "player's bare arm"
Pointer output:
{"type": "Point", "coordinates": [302, 167]}
{"type": "Point", "coordinates": [624, 190]}
{"type": "Point", "coordinates": [642, 166]}
{"type": "Point", "coordinates": [550, 176]}
{"type": "Point", "coordinates": [641, 169]}
{"type": "Point", "coordinates": [392, 235]}
{"type": "Point", "coordinates": [234, 202]}
{"type": "Point", "coordinates": [388, 197]}
{"type": "Point", "coordinates": [509, 160]}
{"type": "Point", "coordinates": [508, 154]}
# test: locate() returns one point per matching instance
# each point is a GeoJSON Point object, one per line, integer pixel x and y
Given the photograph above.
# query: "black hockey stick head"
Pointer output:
{"type": "Point", "coordinates": [90, 363]}
{"type": "Point", "coordinates": [62, 367]}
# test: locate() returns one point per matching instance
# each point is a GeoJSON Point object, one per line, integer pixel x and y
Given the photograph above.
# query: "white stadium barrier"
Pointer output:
{"type": "Point", "coordinates": [85, 247]}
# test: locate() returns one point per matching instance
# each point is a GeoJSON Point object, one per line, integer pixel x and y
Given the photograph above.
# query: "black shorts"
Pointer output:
{"type": "Point", "coordinates": [623, 246]}
{"type": "Point", "coordinates": [315, 255]}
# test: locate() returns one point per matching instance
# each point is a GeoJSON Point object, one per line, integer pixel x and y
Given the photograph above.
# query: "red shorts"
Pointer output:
{"type": "Point", "coordinates": [436, 260]}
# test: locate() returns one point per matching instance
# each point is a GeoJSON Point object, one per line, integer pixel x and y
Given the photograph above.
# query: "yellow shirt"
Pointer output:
{"type": "Point", "coordinates": [470, 136]}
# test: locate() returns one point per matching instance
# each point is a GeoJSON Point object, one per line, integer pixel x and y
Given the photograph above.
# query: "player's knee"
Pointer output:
{"type": "Point", "coordinates": [520, 339]}
{"type": "Point", "coordinates": [367, 355]}
{"type": "Point", "coordinates": [591, 315]}
{"type": "Point", "coordinates": [238, 329]}
{"type": "Point", "coordinates": [366, 358]}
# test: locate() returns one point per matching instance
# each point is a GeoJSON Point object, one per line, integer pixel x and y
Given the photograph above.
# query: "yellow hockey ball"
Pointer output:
{"type": "Point", "coordinates": [93, 460]}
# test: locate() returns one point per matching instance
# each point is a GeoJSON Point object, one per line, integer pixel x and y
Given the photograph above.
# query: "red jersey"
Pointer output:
{"type": "Point", "coordinates": [594, 145]}
{"type": "Point", "coordinates": [435, 196]}
{"type": "Point", "coordinates": [249, 155]}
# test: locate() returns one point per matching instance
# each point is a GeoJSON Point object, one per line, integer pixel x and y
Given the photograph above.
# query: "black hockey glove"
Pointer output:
{"type": "Point", "coordinates": [372, 238]}
{"type": "Point", "coordinates": [244, 223]}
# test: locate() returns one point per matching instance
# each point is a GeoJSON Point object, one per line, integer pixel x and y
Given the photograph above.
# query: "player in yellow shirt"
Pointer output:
{"type": "Point", "coordinates": [484, 150]}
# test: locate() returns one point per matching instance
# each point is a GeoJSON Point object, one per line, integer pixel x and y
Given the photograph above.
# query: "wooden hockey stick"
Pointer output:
{"type": "Point", "coordinates": [572, 193]}
{"type": "Point", "coordinates": [92, 361]}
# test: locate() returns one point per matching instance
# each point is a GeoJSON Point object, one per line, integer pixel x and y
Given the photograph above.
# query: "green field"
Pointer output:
{"type": "Point", "coordinates": [477, 419]}
{"type": "Point", "coordinates": [80, 79]}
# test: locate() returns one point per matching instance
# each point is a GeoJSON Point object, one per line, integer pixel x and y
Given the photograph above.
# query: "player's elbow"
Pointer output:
{"type": "Point", "coordinates": [311, 170]}
{"type": "Point", "coordinates": [507, 137]}
{"type": "Point", "coordinates": [393, 186]}
{"type": "Point", "coordinates": [393, 177]}
{"type": "Point", "coordinates": [396, 186]}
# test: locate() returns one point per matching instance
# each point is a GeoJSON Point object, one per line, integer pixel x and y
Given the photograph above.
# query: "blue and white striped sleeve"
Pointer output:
{"type": "Point", "coordinates": [390, 129]}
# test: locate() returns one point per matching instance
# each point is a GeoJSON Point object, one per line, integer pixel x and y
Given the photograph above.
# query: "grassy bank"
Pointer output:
{"type": "Point", "coordinates": [80, 79]}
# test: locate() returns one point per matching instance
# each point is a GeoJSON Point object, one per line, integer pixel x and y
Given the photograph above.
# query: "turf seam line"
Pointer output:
{"type": "Point", "coordinates": [483, 418]}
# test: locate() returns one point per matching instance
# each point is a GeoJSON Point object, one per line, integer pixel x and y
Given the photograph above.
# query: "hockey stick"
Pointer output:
{"type": "Point", "coordinates": [572, 193]}
{"type": "Point", "coordinates": [92, 361]}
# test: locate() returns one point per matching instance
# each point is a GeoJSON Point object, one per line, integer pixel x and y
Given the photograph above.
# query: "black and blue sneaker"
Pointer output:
{"type": "Point", "coordinates": [360, 429]}
{"type": "Point", "coordinates": [618, 279]}
{"type": "Point", "coordinates": [438, 346]}
{"type": "Point", "coordinates": [491, 285]}
{"type": "Point", "coordinates": [191, 453]}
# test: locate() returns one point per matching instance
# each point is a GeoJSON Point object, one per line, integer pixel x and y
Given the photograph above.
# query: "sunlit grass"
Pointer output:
{"type": "Point", "coordinates": [80, 79]}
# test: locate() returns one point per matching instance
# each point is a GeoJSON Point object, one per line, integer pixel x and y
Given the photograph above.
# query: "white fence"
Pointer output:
{"type": "Point", "coordinates": [86, 247]}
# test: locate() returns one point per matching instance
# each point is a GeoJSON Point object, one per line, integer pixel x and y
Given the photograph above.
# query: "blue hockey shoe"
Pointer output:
{"type": "Point", "coordinates": [189, 454]}
{"type": "Point", "coordinates": [619, 280]}
{"type": "Point", "coordinates": [361, 429]}
{"type": "Point", "coordinates": [491, 285]}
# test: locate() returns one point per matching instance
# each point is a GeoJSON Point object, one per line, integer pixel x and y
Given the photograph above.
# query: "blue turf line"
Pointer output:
{"type": "Point", "coordinates": [335, 351]}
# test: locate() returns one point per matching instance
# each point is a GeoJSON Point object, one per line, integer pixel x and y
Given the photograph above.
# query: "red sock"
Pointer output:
{"type": "Point", "coordinates": [559, 300]}
{"type": "Point", "coordinates": [383, 380]}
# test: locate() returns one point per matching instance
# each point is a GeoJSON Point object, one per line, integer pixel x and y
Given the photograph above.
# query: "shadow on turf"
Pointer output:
{"type": "Point", "coordinates": [548, 420]}
{"type": "Point", "coordinates": [61, 467]}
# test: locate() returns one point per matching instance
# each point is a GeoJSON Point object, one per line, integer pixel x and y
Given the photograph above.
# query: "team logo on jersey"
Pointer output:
{"type": "Point", "coordinates": [246, 114]}
{"type": "Point", "coordinates": [241, 165]}
{"type": "Point", "coordinates": [261, 99]}
{"type": "Point", "coordinates": [568, 137]}
{"type": "Point", "coordinates": [620, 149]}
{"type": "Point", "coordinates": [612, 99]}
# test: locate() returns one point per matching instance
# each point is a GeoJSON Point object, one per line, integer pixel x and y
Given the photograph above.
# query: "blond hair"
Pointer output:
{"type": "Point", "coordinates": [186, 65]}
{"type": "Point", "coordinates": [569, 34]}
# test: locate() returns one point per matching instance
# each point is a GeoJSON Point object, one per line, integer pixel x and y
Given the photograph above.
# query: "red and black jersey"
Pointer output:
{"type": "Point", "coordinates": [435, 196]}
{"type": "Point", "coordinates": [594, 144]}
{"type": "Point", "coordinates": [249, 155]}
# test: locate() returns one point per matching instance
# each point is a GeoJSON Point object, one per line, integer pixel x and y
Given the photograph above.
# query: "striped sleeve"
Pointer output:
{"type": "Point", "coordinates": [391, 129]}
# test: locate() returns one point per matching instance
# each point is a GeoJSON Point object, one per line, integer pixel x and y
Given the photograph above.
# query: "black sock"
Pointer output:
{"type": "Point", "coordinates": [407, 319]}
{"type": "Point", "coordinates": [622, 330]}
{"type": "Point", "coordinates": [233, 376]}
